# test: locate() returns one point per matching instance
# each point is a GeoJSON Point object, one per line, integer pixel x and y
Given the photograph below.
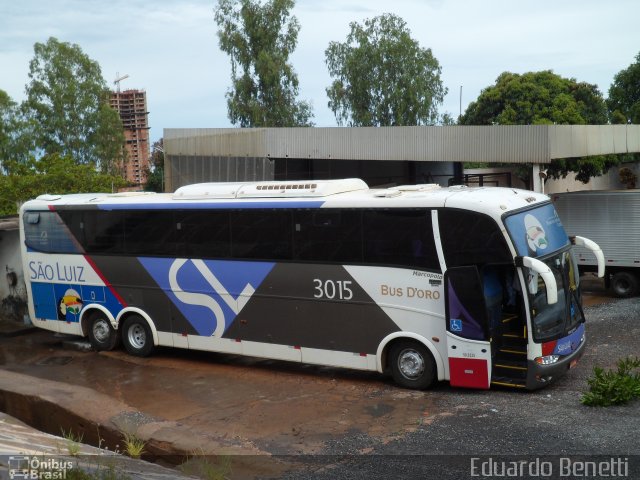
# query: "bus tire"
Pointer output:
{"type": "Point", "coordinates": [137, 336]}
{"type": "Point", "coordinates": [101, 334]}
{"type": "Point", "coordinates": [624, 284]}
{"type": "Point", "coordinates": [412, 365]}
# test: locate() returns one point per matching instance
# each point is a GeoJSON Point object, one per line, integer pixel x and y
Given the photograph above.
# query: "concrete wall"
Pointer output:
{"type": "Point", "coordinates": [609, 181]}
{"type": "Point", "coordinates": [10, 268]}
{"type": "Point", "coordinates": [499, 177]}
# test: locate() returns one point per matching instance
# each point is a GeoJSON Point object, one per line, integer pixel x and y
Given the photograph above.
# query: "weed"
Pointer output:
{"type": "Point", "coordinates": [613, 387]}
{"type": "Point", "coordinates": [133, 445]}
{"type": "Point", "coordinates": [207, 467]}
{"type": "Point", "coordinates": [73, 442]}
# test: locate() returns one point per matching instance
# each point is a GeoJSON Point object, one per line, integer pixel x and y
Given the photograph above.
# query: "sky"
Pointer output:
{"type": "Point", "coordinates": [170, 48]}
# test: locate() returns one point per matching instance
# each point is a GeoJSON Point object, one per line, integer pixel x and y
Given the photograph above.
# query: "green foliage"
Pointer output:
{"type": "Point", "coordinates": [133, 445]}
{"type": "Point", "coordinates": [382, 77]}
{"type": "Point", "coordinates": [67, 105]}
{"type": "Point", "coordinates": [50, 174]}
{"type": "Point", "coordinates": [544, 98]}
{"type": "Point", "coordinates": [207, 467]}
{"type": "Point", "coordinates": [584, 167]}
{"type": "Point", "coordinates": [74, 442]}
{"type": "Point", "coordinates": [259, 39]}
{"type": "Point", "coordinates": [155, 175]}
{"type": "Point", "coordinates": [14, 139]}
{"type": "Point", "coordinates": [624, 95]}
{"type": "Point", "coordinates": [7, 113]}
{"type": "Point", "coordinates": [536, 98]}
{"type": "Point", "coordinates": [613, 387]}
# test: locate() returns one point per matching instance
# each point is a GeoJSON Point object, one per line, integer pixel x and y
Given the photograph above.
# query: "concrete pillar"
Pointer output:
{"type": "Point", "coordinates": [538, 176]}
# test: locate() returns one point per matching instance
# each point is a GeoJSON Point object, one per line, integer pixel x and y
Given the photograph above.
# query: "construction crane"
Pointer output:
{"type": "Point", "coordinates": [118, 79]}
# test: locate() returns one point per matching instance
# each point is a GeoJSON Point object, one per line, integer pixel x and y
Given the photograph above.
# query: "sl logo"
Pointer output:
{"type": "Point", "coordinates": [206, 301]}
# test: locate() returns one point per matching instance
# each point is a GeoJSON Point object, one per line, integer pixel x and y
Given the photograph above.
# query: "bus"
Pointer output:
{"type": "Point", "coordinates": [475, 286]}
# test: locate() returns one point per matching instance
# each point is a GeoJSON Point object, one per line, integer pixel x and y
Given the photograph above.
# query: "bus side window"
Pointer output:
{"type": "Point", "coordinates": [47, 232]}
{"type": "Point", "coordinates": [203, 234]}
{"type": "Point", "coordinates": [471, 238]}
{"type": "Point", "coordinates": [104, 231]}
{"type": "Point", "coordinates": [262, 234]}
{"type": "Point", "coordinates": [149, 233]}
{"type": "Point", "coordinates": [331, 235]}
{"type": "Point", "coordinates": [401, 237]}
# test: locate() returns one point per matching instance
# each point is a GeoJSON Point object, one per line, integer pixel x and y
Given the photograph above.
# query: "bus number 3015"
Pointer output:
{"type": "Point", "coordinates": [330, 289]}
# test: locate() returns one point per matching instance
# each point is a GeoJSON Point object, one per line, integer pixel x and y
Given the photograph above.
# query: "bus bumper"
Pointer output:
{"type": "Point", "coordinates": [539, 376]}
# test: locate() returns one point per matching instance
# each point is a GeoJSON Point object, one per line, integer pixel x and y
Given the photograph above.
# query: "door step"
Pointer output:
{"type": "Point", "coordinates": [508, 382]}
{"type": "Point", "coordinates": [507, 368]}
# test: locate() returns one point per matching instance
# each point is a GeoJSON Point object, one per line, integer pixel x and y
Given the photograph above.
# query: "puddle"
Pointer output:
{"type": "Point", "coordinates": [55, 361]}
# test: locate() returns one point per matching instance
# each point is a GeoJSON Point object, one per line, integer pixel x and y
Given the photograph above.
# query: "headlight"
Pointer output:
{"type": "Point", "coordinates": [547, 359]}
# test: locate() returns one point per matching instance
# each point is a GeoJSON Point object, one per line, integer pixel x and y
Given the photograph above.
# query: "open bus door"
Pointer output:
{"type": "Point", "coordinates": [468, 346]}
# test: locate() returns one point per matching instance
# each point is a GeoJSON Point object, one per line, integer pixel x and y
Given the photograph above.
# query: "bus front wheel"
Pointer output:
{"type": "Point", "coordinates": [412, 365]}
{"type": "Point", "coordinates": [101, 334]}
{"type": "Point", "coordinates": [137, 336]}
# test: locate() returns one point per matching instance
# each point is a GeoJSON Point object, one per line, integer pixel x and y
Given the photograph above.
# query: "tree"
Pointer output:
{"type": "Point", "coordinates": [7, 109]}
{"type": "Point", "coordinates": [259, 39]}
{"type": "Point", "coordinates": [544, 98]}
{"type": "Point", "coordinates": [155, 175]}
{"type": "Point", "coordinates": [67, 103]}
{"type": "Point", "coordinates": [624, 95]}
{"type": "Point", "coordinates": [15, 142]}
{"type": "Point", "coordinates": [51, 174]}
{"type": "Point", "coordinates": [536, 98]}
{"type": "Point", "coordinates": [382, 77]}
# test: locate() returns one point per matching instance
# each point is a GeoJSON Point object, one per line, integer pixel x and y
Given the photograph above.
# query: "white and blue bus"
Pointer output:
{"type": "Point", "coordinates": [477, 286]}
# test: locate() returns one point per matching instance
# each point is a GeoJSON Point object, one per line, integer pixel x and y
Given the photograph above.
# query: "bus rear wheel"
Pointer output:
{"type": "Point", "coordinates": [412, 365]}
{"type": "Point", "coordinates": [137, 336]}
{"type": "Point", "coordinates": [101, 334]}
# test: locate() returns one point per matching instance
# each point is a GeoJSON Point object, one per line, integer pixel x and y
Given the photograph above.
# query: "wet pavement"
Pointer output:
{"type": "Point", "coordinates": [196, 403]}
{"type": "Point", "coordinates": [185, 403]}
{"type": "Point", "coordinates": [260, 406]}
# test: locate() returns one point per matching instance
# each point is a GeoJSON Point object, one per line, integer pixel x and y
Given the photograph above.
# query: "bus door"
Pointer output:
{"type": "Point", "coordinates": [468, 346]}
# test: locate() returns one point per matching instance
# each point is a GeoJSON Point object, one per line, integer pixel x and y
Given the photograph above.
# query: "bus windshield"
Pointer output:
{"type": "Point", "coordinates": [538, 233]}
{"type": "Point", "coordinates": [553, 321]}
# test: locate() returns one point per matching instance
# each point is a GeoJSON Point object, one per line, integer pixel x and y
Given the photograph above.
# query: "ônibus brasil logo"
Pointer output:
{"type": "Point", "coordinates": [38, 468]}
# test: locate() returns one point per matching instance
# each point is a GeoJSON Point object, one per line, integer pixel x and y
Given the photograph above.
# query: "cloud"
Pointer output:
{"type": "Point", "coordinates": [170, 48]}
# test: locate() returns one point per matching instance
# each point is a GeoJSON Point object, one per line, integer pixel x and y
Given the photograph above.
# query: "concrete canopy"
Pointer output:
{"type": "Point", "coordinates": [252, 151]}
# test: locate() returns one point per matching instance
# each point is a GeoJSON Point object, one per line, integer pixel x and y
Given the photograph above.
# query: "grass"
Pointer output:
{"type": "Point", "coordinates": [133, 445]}
{"type": "Point", "coordinates": [614, 387]}
{"type": "Point", "coordinates": [207, 467]}
{"type": "Point", "coordinates": [73, 442]}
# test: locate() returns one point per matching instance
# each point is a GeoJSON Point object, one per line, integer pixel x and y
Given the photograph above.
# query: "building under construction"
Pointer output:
{"type": "Point", "coordinates": [132, 106]}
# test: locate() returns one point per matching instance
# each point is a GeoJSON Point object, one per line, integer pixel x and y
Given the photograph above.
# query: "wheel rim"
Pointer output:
{"type": "Point", "coordinates": [411, 364]}
{"type": "Point", "coordinates": [137, 336]}
{"type": "Point", "coordinates": [101, 330]}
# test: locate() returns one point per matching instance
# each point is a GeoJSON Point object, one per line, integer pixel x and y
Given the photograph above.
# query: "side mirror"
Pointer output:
{"type": "Point", "coordinates": [595, 249]}
{"type": "Point", "coordinates": [545, 272]}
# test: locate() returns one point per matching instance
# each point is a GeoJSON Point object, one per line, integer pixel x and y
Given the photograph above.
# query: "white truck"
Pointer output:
{"type": "Point", "coordinates": [611, 218]}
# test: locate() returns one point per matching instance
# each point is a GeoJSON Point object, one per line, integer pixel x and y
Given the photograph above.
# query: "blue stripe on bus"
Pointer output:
{"type": "Point", "coordinates": [213, 205]}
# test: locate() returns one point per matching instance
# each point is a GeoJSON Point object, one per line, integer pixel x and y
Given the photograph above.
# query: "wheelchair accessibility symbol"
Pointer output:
{"type": "Point", "coordinates": [455, 324]}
